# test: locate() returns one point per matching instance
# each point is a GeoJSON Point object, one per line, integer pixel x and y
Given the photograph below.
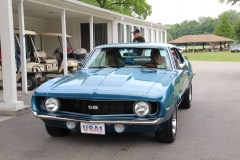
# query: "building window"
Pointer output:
{"type": "Point", "coordinates": [129, 33]}
{"type": "Point", "coordinates": [99, 35]}
{"type": "Point", "coordinates": [85, 36]}
{"type": "Point", "coordinates": [120, 33]}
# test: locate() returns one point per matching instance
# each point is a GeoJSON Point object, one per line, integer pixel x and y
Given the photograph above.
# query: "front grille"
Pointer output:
{"type": "Point", "coordinates": [104, 107]}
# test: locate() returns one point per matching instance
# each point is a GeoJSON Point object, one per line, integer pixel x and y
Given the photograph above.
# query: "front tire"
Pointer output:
{"type": "Point", "coordinates": [57, 132]}
{"type": "Point", "coordinates": [168, 133]}
{"type": "Point", "coordinates": [187, 99]}
{"type": "Point", "coordinates": [31, 83]}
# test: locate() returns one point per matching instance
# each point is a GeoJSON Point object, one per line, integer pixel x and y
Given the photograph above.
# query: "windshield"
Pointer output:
{"type": "Point", "coordinates": [129, 57]}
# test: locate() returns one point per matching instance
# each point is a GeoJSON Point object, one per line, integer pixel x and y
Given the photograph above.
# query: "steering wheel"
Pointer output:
{"type": "Point", "coordinates": [58, 50]}
{"type": "Point", "coordinates": [154, 63]}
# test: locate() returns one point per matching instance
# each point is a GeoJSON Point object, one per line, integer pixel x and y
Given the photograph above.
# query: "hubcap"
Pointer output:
{"type": "Point", "coordinates": [174, 122]}
{"type": "Point", "coordinates": [29, 83]}
{"type": "Point", "coordinates": [190, 94]}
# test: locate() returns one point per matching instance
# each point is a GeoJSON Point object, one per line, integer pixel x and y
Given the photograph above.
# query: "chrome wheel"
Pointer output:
{"type": "Point", "coordinates": [190, 94]}
{"type": "Point", "coordinates": [168, 133]}
{"type": "Point", "coordinates": [174, 122]}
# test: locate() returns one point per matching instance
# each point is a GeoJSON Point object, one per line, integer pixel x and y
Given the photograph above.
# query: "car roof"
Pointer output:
{"type": "Point", "coordinates": [136, 45]}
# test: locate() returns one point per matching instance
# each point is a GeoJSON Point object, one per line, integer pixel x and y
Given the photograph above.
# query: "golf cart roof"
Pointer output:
{"type": "Point", "coordinates": [52, 34]}
{"type": "Point", "coordinates": [27, 32]}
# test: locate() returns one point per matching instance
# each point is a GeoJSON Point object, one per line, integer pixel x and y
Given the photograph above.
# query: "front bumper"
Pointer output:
{"type": "Point", "coordinates": [157, 121]}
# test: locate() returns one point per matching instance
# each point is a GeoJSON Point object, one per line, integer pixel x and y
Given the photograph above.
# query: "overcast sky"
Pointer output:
{"type": "Point", "coordinates": [176, 11]}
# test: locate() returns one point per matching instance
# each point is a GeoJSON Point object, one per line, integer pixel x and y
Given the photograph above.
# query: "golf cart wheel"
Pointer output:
{"type": "Point", "coordinates": [41, 81]}
{"type": "Point", "coordinates": [57, 132]}
{"type": "Point", "coordinates": [70, 71]}
{"type": "Point", "coordinates": [31, 83]}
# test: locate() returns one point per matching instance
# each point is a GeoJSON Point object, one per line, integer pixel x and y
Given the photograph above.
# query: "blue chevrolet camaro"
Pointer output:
{"type": "Point", "coordinates": [136, 87]}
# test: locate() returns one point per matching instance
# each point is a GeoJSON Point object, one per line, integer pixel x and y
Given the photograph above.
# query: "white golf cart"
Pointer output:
{"type": "Point", "coordinates": [35, 71]}
{"type": "Point", "coordinates": [57, 58]}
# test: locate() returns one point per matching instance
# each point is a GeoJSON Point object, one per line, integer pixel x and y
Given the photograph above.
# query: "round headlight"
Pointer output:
{"type": "Point", "coordinates": [141, 109]}
{"type": "Point", "coordinates": [52, 104]}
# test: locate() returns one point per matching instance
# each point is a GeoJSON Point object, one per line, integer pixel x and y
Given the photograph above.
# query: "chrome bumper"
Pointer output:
{"type": "Point", "coordinates": [129, 122]}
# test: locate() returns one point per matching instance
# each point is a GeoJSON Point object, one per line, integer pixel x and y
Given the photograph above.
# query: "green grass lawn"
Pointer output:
{"type": "Point", "coordinates": [214, 56]}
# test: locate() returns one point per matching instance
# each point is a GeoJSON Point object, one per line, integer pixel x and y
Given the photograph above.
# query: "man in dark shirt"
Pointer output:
{"type": "Point", "coordinates": [137, 37]}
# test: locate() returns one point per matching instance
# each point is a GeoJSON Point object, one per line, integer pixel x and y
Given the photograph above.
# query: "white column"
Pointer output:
{"type": "Point", "coordinates": [8, 58]}
{"type": "Point", "coordinates": [166, 37]}
{"type": "Point", "coordinates": [91, 32]}
{"type": "Point", "coordinates": [64, 42]}
{"type": "Point", "coordinates": [22, 44]}
{"type": "Point", "coordinates": [114, 31]}
{"type": "Point", "coordinates": [145, 34]}
{"type": "Point", "coordinates": [162, 36]}
{"type": "Point", "coordinates": [157, 41]}
{"type": "Point", "coordinates": [125, 32]}
{"type": "Point", "coordinates": [152, 36]}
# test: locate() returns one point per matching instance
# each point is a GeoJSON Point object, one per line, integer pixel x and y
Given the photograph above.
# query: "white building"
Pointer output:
{"type": "Point", "coordinates": [88, 25]}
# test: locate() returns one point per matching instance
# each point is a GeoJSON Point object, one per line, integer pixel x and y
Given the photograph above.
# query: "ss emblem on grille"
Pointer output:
{"type": "Point", "coordinates": [92, 107]}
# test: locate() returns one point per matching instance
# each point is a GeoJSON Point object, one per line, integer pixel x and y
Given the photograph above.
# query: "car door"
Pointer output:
{"type": "Point", "coordinates": [181, 67]}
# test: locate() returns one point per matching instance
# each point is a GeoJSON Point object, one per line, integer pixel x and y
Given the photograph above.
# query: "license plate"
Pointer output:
{"type": "Point", "coordinates": [92, 128]}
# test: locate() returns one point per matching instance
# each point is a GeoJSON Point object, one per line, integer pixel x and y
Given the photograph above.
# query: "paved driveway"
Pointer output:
{"type": "Point", "coordinates": [208, 130]}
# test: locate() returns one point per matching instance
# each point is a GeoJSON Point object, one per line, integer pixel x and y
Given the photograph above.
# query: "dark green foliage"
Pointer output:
{"type": "Point", "coordinates": [207, 25]}
{"type": "Point", "coordinates": [136, 8]}
{"type": "Point", "coordinates": [229, 1]}
{"type": "Point", "coordinates": [232, 14]}
{"type": "Point", "coordinates": [224, 27]}
{"type": "Point", "coordinates": [169, 36]}
{"type": "Point", "coordinates": [237, 29]}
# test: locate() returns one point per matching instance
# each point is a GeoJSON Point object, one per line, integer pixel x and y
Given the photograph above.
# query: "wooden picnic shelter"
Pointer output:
{"type": "Point", "coordinates": [211, 39]}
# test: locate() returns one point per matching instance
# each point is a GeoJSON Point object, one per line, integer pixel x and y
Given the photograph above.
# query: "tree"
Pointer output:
{"type": "Point", "coordinates": [169, 37]}
{"type": "Point", "coordinates": [229, 1]}
{"type": "Point", "coordinates": [136, 8]}
{"type": "Point", "coordinates": [232, 14]}
{"type": "Point", "coordinates": [206, 25]}
{"type": "Point", "coordinates": [224, 27]}
{"type": "Point", "coordinates": [237, 29]}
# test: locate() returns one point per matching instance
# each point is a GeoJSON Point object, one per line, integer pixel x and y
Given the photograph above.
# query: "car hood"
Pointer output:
{"type": "Point", "coordinates": [134, 81]}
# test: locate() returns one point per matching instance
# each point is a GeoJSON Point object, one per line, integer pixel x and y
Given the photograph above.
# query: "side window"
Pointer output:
{"type": "Point", "coordinates": [179, 55]}
{"type": "Point", "coordinates": [177, 58]}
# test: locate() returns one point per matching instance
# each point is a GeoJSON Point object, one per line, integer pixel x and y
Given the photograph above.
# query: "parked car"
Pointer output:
{"type": "Point", "coordinates": [119, 90]}
{"type": "Point", "coordinates": [235, 48]}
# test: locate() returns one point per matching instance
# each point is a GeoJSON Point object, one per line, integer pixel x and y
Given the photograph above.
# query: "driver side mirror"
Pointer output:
{"type": "Point", "coordinates": [182, 66]}
{"type": "Point", "coordinates": [186, 57]}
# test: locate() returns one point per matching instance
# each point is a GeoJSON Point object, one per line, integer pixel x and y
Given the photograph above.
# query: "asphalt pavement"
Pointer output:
{"type": "Point", "coordinates": [209, 130]}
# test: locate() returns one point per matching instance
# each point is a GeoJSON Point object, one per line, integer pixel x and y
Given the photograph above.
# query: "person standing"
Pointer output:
{"type": "Point", "coordinates": [137, 37]}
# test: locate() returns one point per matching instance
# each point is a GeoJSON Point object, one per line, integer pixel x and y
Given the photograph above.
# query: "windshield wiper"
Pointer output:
{"type": "Point", "coordinates": [99, 67]}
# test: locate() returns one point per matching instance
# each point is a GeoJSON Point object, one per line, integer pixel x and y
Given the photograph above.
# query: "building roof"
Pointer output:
{"type": "Point", "coordinates": [81, 10]}
{"type": "Point", "coordinates": [200, 39]}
